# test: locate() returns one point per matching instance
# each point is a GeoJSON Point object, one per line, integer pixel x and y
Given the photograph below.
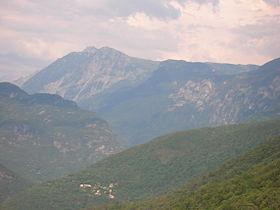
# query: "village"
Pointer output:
{"type": "Point", "coordinates": [99, 190]}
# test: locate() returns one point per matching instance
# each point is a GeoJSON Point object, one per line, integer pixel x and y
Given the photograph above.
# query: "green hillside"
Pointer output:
{"type": "Point", "coordinates": [11, 183]}
{"type": "Point", "coordinates": [251, 181]}
{"type": "Point", "coordinates": [148, 170]}
{"type": "Point", "coordinates": [44, 137]}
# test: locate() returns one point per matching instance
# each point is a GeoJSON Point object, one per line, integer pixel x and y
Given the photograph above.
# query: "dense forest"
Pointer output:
{"type": "Point", "coordinates": [251, 181]}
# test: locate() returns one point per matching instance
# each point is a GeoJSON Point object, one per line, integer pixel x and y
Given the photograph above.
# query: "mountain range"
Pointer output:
{"type": "Point", "coordinates": [44, 136]}
{"type": "Point", "coordinates": [151, 169]}
{"type": "Point", "coordinates": [56, 155]}
{"type": "Point", "coordinates": [181, 95]}
{"type": "Point", "coordinates": [142, 99]}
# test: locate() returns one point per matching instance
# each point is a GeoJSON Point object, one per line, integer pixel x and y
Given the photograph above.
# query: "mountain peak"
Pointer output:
{"type": "Point", "coordinates": [90, 49]}
{"type": "Point", "coordinates": [103, 50]}
{"type": "Point", "coordinates": [109, 50]}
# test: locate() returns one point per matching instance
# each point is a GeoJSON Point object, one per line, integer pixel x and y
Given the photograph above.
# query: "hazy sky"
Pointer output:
{"type": "Point", "coordinates": [33, 33]}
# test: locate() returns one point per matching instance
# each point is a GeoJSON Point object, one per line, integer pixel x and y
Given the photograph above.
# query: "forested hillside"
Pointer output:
{"type": "Point", "coordinates": [251, 181]}
{"type": "Point", "coordinates": [148, 170]}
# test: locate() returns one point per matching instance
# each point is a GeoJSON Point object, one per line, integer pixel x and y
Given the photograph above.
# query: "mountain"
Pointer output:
{"type": "Point", "coordinates": [184, 95]}
{"type": "Point", "coordinates": [248, 182]}
{"type": "Point", "coordinates": [81, 75]}
{"type": "Point", "coordinates": [11, 183]}
{"type": "Point", "coordinates": [147, 170]}
{"type": "Point", "coordinates": [43, 136]}
{"type": "Point", "coordinates": [143, 99]}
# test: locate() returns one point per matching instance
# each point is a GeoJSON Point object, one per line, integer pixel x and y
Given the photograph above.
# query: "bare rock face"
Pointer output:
{"type": "Point", "coordinates": [232, 99]}
{"type": "Point", "coordinates": [79, 76]}
{"type": "Point", "coordinates": [197, 93]}
{"type": "Point", "coordinates": [182, 95]}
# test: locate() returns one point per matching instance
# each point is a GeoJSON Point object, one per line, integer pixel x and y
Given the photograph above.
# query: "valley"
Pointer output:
{"type": "Point", "coordinates": [140, 105]}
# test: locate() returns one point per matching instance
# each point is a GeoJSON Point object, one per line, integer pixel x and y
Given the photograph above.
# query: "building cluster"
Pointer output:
{"type": "Point", "coordinates": [98, 189]}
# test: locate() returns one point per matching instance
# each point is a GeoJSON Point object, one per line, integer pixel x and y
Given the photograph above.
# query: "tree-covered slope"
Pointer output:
{"type": "Point", "coordinates": [251, 181]}
{"type": "Point", "coordinates": [148, 170]}
{"type": "Point", "coordinates": [11, 183]}
{"type": "Point", "coordinates": [43, 136]}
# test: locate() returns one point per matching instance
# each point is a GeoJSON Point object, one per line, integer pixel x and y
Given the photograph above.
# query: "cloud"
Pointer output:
{"type": "Point", "coordinates": [261, 38]}
{"type": "Point", "coordinates": [34, 33]}
{"type": "Point", "coordinates": [161, 9]}
{"type": "Point", "coordinates": [274, 3]}
{"type": "Point", "coordinates": [222, 36]}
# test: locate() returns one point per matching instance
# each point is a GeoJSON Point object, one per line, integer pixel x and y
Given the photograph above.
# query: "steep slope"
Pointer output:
{"type": "Point", "coordinates": [11, 183]}
{"type": "Point", "coordinates": [43, 136]}
{"type": "Point", "coordinates": [182, 95]}
{"type": "Point", "coordinates": [248, 182]}
{"type": "Point", "coordinates": [148, 170]}
{"type": "Point", "coordinates": [81, 75]}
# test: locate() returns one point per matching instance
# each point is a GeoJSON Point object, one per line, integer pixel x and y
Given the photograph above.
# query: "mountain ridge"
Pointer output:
{"type": "Point", "coordinates": [185, 96]}
{"type": "Point", "coordinates": [14, 92]}
{"type": "Point", "coordinates": [142, 99]}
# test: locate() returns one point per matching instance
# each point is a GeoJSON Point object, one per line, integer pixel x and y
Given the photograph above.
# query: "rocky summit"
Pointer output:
{"type": "Point", "coordinates": [80, 75]}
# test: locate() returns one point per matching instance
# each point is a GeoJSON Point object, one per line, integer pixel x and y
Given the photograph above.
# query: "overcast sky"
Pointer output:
{"type": "Point", "coordinates": [34, 33]}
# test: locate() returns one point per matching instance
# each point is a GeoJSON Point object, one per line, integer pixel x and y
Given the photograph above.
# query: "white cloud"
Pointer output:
{"type": "Point", "coordinates": [233, 31]}
{"type": "Point", "coordinates": [34, 33]}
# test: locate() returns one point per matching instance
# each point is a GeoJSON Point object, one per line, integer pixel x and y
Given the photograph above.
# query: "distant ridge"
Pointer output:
{"type": "Point", "coordinates": [184, 95]}
{"type": "Point", "coordinates": [13, 92]}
